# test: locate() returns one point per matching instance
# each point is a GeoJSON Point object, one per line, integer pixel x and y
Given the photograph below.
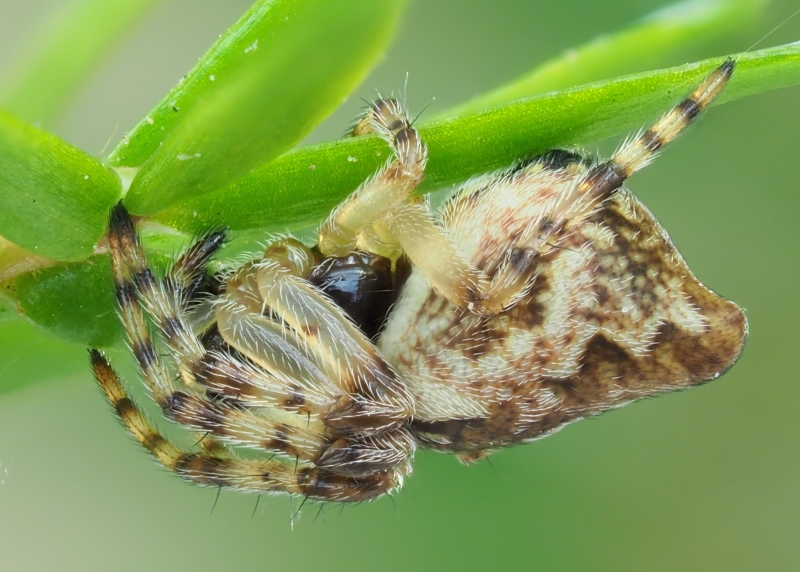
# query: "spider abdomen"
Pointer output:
{"type": "Point", "coordinates": [612, 314]}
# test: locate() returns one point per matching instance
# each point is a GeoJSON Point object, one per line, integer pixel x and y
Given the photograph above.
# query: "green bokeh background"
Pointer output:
{"type": "Point", "coordinates": [707, 479]}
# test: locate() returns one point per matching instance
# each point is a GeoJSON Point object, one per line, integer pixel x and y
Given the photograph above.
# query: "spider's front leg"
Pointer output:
{"type": "Point", "coordinates": [336, 421]}
{"type": "Point", "coordinates": [272, 315]}
{"type": "Point", "coordinates": [382, 217]}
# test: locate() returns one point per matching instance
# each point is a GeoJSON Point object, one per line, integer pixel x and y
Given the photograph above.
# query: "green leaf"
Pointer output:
{"type": "Point", "coordinates": [285, 66]}
{"type": "Point", "coordinates": [65, 50]}
{"type": "Point", "coordinates": [7, 310]}
{"type": "Point", "coordinates": [645, 45]}
{"type": "Point", "coordinates": [301, 187]}
{"type": "Point", "coordinates": [54, 198]}
{"type": "Point", "coordinates": [73, 301]}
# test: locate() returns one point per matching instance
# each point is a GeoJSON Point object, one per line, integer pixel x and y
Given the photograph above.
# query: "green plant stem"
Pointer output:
{"type": "Point", "coordinates": [302, 186]}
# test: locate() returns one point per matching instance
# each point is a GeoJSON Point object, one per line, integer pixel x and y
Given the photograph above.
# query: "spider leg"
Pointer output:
{"type": "Point", "coordinates": [575, 203]}
{"type": "Point", "coordinates": [224, 421]}
{"type": "Point", "coordinates": [246, 377]}
{"type": "Point", "coordinates": [435, 256]}
{"type": "Point", "coordinates": [360, 435]}
{"type": "Point", "coordinates": [265, 342]}
{"type": "Point", "coordinates": [381, 217]}
{"type": "Point", "coordinates": [186, 275]}
{"type": "Point", "coordinates": [378, 400]}
{"type": "Point", "coordinates": [289, 434]}
{"type": "Point", "coordinates": [132, 417]}
{"type": "Point", "coordinates": [136, 281]}
{"type": "Point", "coordinates": [239, 474]}
{"type": "Point", "coordinates": [638, 153]}
{"type": "Point", "coordinates": [390, 187]}
{"type": "Point", "coordinates": [156, 377]}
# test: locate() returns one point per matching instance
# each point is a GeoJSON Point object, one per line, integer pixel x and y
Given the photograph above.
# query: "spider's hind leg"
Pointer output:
{"type": "Point", "coordinates": [142, 289]}
{"type": "Point", "coordinates": [220, 469]}
{"type": "Point", "coordinates": [608, 177]}
{"type": "Point", "coordinates": [592, 191]}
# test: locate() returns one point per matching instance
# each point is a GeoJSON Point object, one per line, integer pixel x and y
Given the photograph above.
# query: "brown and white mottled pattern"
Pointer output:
{"type": "Point", "coordinates": [613, 315]}
{"type": "Point", "coordinates": [540, 295]}
{"type": "Point", "coordinates": [301, 385]}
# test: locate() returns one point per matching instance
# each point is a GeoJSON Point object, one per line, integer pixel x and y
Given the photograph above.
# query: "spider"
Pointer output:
{"type": "Point", "coordinates": [539, 295]}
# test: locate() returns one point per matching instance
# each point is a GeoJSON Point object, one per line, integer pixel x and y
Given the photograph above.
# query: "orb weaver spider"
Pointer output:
{"type": "Point", "coordinates": [539, 295]}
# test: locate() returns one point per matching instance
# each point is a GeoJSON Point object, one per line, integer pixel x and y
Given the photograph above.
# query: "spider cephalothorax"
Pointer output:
{"type": "Point", "coordinates": [539, 295]}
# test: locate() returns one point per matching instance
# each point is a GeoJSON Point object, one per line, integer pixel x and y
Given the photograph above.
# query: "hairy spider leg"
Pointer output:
{"type": "Point", "coordinates": [388, 188]}
{"type": "Point", "coordinates": [248, 475]}
{"type": "Point", "coordinates": [187, 274]}
{"type": "Point", "coordinates": [382, 217]}
{"type": "Point", "coordinates": [321, 353]}
{"type": "Point", "coordinates": [223, 421]}
{"type": "Point", "coordinates": [569, 209]}
{"type": "Point", "coordinates": [321, 444]}
{"type": "Point", "coordinates": [186, 278]}
{"type": "Point", "coordinates": [132, 273]}
{"type": "Point", "coordinates": [153, 370]}
{"type": "Point", "coordinates": [291, 435]}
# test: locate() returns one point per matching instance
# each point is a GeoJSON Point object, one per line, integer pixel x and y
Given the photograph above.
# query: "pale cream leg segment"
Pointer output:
{"type": "Point", "coordinates": [392, 185]}
{"type": "Point", "coordinates": [435, 256]}
{"type": "Point", "coordinates": [384, 203]}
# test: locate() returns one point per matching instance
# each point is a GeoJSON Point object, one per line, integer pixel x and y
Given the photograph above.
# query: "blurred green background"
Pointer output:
{"type": "Point", "coordinates": [707, 479]}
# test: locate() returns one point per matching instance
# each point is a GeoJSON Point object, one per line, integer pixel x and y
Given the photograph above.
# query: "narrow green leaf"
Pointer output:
{"type": "Point", "coordinates": [301, 187]}
{"type": "Point", "coordinates": [649, 43]}
{"type": "Point", "coordinates": [58, 58]}
{"type": "Point", "coordinates": [259, 90]}
{"type": "Point", "coordinates": [73, 301]}
{"type": "Point", "coordinates": [54, 198]}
